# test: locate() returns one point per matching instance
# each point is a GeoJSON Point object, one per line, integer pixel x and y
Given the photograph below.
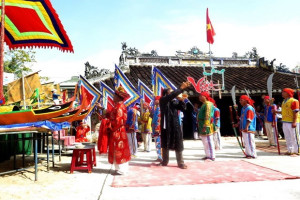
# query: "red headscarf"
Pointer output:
{"type": "Point", "coordinates": [267, 97]}
{"type": "Point", "coordinates": [248, 99]}
{"type": "Point", "coordinates": [289, 91]}
{"type": "Point", "coordinates": [207, 96]}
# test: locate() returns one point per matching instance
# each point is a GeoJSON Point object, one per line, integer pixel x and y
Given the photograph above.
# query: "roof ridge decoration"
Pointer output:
{"type": "Point", "coordinates": [92, 71]}
{"type": "Point", "coordinates": [193, 52]}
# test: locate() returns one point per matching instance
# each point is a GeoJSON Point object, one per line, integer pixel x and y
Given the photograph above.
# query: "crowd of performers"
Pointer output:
{"type": "Point", "coordinates": [117, 133]}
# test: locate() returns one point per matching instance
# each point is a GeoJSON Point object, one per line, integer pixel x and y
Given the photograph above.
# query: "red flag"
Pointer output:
{"type": "Point", "coordinates": [210, 32]}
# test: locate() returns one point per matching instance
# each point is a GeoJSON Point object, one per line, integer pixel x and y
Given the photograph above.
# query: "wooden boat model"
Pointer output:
{"type": "Point", "coordinates": [82, 115]}
{"type": "Point", "coordinates": [34, 115]}
{"type": "Point", "coordinates": [66, 117]}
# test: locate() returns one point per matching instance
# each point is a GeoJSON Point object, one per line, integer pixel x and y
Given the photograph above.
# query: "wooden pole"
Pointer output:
{"type": "Point", "coordinates": [2, 47]}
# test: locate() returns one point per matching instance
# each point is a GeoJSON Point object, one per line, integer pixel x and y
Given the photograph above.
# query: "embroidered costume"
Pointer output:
{"type": "Point", "coordinates": [146, 128]}
{"type": "Point", "coordinates": [248, 116]}
{"type": "Point", "coordinates": [118, 142]}
{"type": "Point", "coordinates": [270, 123]}
{"type": "Point", "coordinates": [132, 128]}
{"type": "Point", "coordinates": [206, 127]}
{"type": "Point", "coordinates": [290, 109]}
{"type": "Point", "coordinates": [217, 125]}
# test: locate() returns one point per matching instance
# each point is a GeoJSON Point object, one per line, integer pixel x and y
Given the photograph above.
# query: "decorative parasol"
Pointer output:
{"type": "Point", "coordinates": [31, 23]}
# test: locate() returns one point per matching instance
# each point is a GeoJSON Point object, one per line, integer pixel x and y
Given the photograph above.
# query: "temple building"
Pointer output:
{"type": "Point", "coordinates": [247, 74]}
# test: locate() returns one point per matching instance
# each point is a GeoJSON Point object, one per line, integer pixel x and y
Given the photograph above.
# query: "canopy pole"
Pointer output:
{"type": "Point", "coordinates": [2, 47]}
{"type": "Point", "coordinates": [23, 91]}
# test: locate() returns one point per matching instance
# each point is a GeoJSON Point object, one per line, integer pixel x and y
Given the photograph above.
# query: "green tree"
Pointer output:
{"type": "Point", "coordinates": [252, 54]}
{"type": "Point", "coordinates": [18, 60]}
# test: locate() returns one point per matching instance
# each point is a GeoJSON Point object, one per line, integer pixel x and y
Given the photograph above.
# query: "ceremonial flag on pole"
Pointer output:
{"type": "Point", "coordinates": [160, 82]}
{"type": "Point", "coordinates": [145, 92]}
{"type": "Point", "coordinates": [210, 32]}
{"type": "Point", "coordinates": [107, 100]}
{"type": "Point", "coordinates": [92, 94]}
{"type": "Point", "coordinates": [121, 80]}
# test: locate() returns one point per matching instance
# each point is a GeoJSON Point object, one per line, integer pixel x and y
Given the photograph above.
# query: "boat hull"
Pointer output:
{"type": "Point", "coordinates": [35, 115]}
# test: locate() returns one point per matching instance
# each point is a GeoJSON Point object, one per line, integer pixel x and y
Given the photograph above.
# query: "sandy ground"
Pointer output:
{"type": "Point", "coordinates": [58, 183]}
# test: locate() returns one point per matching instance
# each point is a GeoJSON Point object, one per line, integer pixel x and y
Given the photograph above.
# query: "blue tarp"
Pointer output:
{"type": "Point", "coordinates": [42, 124]}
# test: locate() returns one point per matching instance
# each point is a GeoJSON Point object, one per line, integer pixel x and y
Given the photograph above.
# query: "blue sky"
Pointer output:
{"type": "Point", "coordinates": [97, 28]}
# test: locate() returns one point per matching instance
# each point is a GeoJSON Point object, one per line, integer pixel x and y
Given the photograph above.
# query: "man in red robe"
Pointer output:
{"type": "Point", "coordinates": [118, 148]}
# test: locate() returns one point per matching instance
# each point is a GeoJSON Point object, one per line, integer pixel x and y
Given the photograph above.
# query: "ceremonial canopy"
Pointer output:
{"type": "Point", "coordinates": [34, 23]}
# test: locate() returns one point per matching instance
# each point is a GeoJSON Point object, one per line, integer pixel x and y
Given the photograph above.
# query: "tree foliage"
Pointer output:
{"type": "Point", "coordinates": [19, 60]}
{"type": "Point", "coordinates": [253, 54]}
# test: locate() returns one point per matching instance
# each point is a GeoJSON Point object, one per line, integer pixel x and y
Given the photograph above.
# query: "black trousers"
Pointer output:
{"type": "Point", "coordinates": [165, 156]}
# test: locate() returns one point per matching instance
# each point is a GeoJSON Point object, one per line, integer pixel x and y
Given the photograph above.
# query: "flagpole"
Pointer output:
{"type": "Point", "coordinates": [211, 75]}
{"type": "Point", "coordinates": [2, 47]}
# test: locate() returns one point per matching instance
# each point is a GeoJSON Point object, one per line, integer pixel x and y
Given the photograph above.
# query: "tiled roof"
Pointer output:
{"type": "Point", "coordinates": [251, 78]}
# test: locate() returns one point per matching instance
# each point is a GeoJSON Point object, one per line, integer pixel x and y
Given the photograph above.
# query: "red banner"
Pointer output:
{"type": "Point", "coordinates": [210, 32]}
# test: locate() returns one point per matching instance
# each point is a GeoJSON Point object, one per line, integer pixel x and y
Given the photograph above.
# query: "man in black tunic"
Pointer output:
{"type": "Point", "coordinates": [171, 135]}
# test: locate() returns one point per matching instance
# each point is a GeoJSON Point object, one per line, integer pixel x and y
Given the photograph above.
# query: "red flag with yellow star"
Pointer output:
{"type": "Point", "coordinates": [210, 32]}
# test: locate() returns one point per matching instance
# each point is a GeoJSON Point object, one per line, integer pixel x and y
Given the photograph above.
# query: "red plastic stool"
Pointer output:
{"type": "Point", "coordinates": [78, 162]}
{"type": "Point", "coordinates": [82, 161]}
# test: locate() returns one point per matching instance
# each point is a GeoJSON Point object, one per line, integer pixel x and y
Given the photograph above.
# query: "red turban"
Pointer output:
{"type": "Point", "coordinates": [267, 97]}
{"type": "Point", "coordinates": [206, 94]}
{"type": "Point", "coordinates": [248, 99]}
{"type": "Point", "coordinates": [289, 91]}
{"type": "Point", "coordinates": [157, 98]}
